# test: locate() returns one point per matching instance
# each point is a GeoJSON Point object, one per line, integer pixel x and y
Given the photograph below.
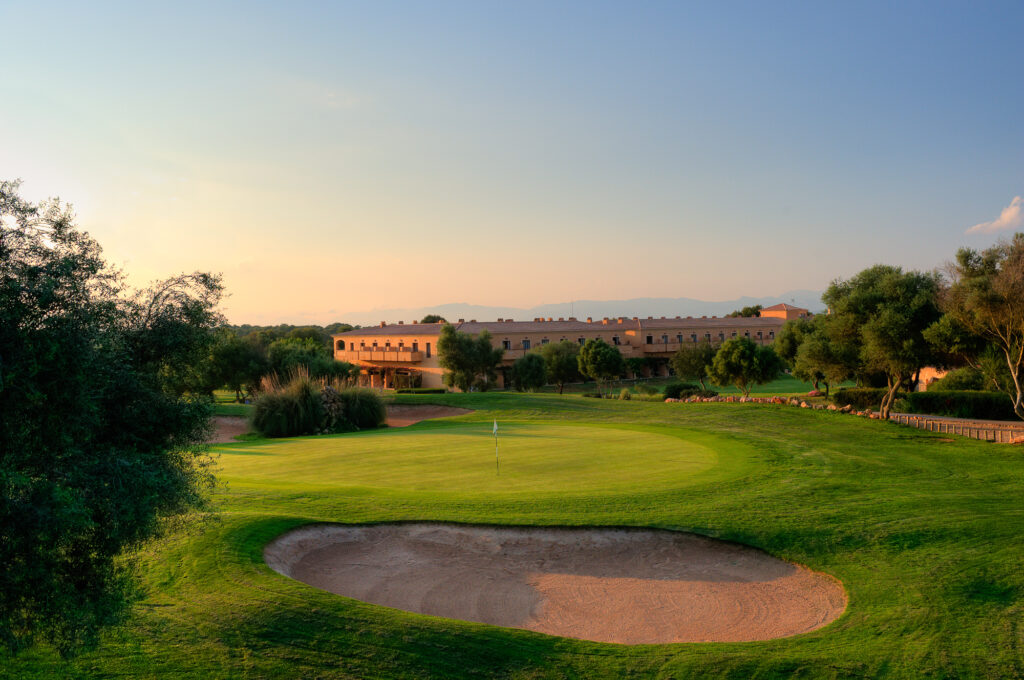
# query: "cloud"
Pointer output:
{"type": "Point", "coordinates": [1011, 216]}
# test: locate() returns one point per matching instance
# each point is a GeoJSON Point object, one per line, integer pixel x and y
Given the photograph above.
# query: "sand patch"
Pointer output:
{"type": "Point", "coordinates": [403, 415]}
{"type": "Point", "coordinates": [226, 428]}
{"type": "Point", "coordinates": [607, 585]}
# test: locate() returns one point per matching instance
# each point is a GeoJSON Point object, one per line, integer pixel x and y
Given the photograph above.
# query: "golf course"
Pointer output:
{"type": "Point", "coordinates": [924, 532]}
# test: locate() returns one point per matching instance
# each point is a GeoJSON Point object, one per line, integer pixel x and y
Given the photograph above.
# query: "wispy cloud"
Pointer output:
{"type": "Point", "coordinates": [1011, 216]}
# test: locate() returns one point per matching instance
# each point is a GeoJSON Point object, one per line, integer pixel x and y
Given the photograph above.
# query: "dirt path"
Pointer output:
{"type": "Point", "coordinates": [607, 585]}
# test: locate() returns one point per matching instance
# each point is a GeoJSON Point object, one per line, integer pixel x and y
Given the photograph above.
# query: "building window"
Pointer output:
{"type": "Point", "coordinates": [771, 334]}
{"type": "Point", "coordinates": [746, 334]}
{"type": "Point", "coordinates": [415, 347]}
{"type": "Point", "coordinates": [721, 336]}
{"type": "Point", "coordinates": [401, 343]}
{"type": "Point", "coordinates": [693, 336]}
{"type": "Point", "coordinates": [679, 338]}
{"type": "Point", "coordinates": [664, 339]}
{"type": "Point", "coordinates": [341, 345]}
{"type": "Point", "coordinates": [759, 335]}
{"type": "Point", "coordinates": [650, 339]}
{"type": "Point", "coordinates": [580, 340]}
{"type": "Point", "coordinates": [544, 341]}
{"type": "Point", "coordinates": [428, 350]}
{"type": "Point", "coordinates": [362, 345]}
{"type": "Point", "coordinates": [615, 340]}
{"type": "Point", "coordinates": [387, 345]}
{"type": "Point", "coordinates": [526, 343]}
{"type": "Point", "coordinates": [506, 344]}
{"type": "Point", "coordinates": [707, 337]}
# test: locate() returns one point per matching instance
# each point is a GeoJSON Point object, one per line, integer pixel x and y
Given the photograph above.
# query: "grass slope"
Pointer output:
{"type": "Point", "coordinates": [926, 534]}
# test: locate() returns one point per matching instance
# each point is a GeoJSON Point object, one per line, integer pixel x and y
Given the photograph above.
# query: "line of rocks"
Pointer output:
{"type": "Point", "coordinates": [781, 401]}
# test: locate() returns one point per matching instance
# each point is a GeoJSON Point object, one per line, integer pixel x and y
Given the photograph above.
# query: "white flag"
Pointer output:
{"type": "Point", "coordinates": [495, 426]}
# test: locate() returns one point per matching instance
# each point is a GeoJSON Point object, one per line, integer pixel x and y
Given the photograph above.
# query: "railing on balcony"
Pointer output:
{"type": "Point", "coordinates": [380, 354]}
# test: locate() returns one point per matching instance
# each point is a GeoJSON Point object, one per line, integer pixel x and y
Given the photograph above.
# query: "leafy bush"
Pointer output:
{"type": "Point", "coordinates": [673, 390]}
{"type": "Point", "coordinates": [960, 404]}
{"type": "Point", "coordinates": [422, 390]}
{"type": "Point", "coordinates": [624, 394]}
{"type": "Point", "coordinates": [859, 397]}
{"type": "Point", "coordinates": [966, 378]}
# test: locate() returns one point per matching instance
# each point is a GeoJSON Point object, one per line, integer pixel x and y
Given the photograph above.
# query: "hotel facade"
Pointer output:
{"type": "Point", "coordinates": [405, 354]}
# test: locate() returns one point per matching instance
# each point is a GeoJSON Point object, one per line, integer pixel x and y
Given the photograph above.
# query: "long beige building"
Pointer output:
{"type": "Point", "coordinates": [401, 354]}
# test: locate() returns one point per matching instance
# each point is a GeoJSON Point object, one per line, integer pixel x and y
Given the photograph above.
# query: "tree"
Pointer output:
{"type": "Point", "coordinates": [789, 339]}
{"type": "Point", "coordinates": [285, 356]}
{"type": "Point", "coordinates": [751, 311]}
{"type": "Point", "coordinates": [529, 373]}
{"type": "Point", "coordinates": [805, 346]}
{"type": "Point", "coordinates": [986, 299]}
{"type": "Point", "coordinates": [433, 318]}
{"type": "Point", "coordinates": [881, 315]}
{"type": "Point", "coordinates": [692, 362]}
{"type": "Point", "coordinates": [468, 362]}
{"type": "Point", "coordinates": [561, 362]}
{"type": "Point", "coordinates": [236, 363]}
{"type": "Point", "coordinates": [99, 446]}
{"type": "Point", "coordinates": [600, 361]}
{"type": "Point", "coordinates": [744, 363]}
{"type": "Point", "coordinates": [636, 365]}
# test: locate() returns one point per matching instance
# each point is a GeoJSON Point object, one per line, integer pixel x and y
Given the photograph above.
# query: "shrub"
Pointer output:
{"type": "Point", "coordinates": [674, 390]}
{"type": "Point", "coordinates": [960, 404]}
{"type": "Point", "coordinates": [644, 388]}
{"type": "Point", "coordinates": [294, 409]}
{"type": "Point", "coordinates": [422, 390]}
{"type": "Point", "coordinates": [859, 397]}
{"type": "Point", "coordinates": [966, 378]}
{"type": "Point", "coordinates": [305, 406]}
{"type": "Point", "coordinates": [364, 409]}
{"type": "Point", "coordinates": [624, 394]}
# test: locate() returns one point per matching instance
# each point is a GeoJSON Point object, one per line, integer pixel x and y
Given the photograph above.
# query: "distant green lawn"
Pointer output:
{"type": "Point", "coordinates": [926, 534]}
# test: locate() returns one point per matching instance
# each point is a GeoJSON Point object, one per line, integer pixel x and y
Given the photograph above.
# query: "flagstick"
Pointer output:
{"type": "Point", "coordinates": [497, 470]}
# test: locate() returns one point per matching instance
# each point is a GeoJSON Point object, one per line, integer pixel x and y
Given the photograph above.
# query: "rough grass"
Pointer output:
{"type": "Point", "coordinates": [926, 534]}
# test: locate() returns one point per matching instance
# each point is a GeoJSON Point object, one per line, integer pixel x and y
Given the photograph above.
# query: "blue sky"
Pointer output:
{"type": "Point", "coordinates": [329, 157]}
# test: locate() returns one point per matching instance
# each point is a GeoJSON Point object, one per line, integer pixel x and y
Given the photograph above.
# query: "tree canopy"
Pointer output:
{"type": "Point", "coordinates": [744, 363]}
{"type": "Point", "coordinates": [751, 311]}
{"type": "Point", "coordinates": [691, 362]}
{"type": "Point", "coordinates": [100, 445]}
{"type": "Point", "coordinates": [433, 318]}
{"type": "Point", "coordinates": [600, 361]}
{"type": "Point", "coordinates": [880, 315]}
{"type": "Point", "coordinates": [529, 373]}
{"type": "Point", "coordinates": [561, 362]}
{"type": "Point", "coordinates": [468, 362]}
{"type": "Point", "coordinates": [984, 307]}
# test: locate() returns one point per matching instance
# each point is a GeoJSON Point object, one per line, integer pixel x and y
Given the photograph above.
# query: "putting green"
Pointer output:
{"type": "Point", "coordinates": [458, 458]}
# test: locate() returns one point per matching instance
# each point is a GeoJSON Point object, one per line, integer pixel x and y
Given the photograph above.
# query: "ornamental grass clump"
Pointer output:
{"type": "Point", "coordinates": [304, 406]}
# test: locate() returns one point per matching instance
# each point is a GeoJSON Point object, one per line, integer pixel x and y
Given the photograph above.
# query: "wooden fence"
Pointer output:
{"type": "Point", "coordinates": [984, 431]}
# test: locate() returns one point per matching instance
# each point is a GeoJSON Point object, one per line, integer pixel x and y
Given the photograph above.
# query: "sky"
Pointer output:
{"type": "Point", "coordinates": [329, 157]}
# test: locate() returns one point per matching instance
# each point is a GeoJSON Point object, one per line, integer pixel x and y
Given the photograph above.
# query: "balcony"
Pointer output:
{"type": "Point", "coordinates": [379, 355]}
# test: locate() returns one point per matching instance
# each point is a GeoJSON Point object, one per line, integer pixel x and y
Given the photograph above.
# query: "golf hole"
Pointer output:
{"type": "Point", "coordinates": [607, 585]}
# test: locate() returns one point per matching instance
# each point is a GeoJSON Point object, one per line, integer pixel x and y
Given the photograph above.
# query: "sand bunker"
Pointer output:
{"type": "Point", "coordinates": [403, 415]}
{"type": "Point", "coordinates": [607, 585]}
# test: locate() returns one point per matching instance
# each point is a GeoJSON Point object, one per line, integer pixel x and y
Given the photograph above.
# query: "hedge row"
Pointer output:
{"type": "Point", "coordinates": [304, 406]}
{"type": "Point", "coordinates": [958, 403]}
{"type": "Point", "coordinates": [421, 390]}
{"type": "Point", "coordinates": [682, 390]}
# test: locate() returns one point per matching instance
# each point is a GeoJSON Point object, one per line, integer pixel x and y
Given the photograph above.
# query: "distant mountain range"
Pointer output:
{"type": "Point", "coordinates": [581, 309]}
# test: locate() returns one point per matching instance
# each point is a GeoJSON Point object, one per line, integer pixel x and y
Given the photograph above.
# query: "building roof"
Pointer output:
{"type": "Point", "coordinates": [569, 326]}
{"type": "Point", "coordinates": [782, 307]}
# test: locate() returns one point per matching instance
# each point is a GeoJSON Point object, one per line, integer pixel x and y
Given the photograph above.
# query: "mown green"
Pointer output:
{"type": "Point", "coordinates": [926, 533]}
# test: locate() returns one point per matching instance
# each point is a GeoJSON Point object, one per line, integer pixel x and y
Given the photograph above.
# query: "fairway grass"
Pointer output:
{"type": "Point", "coordinates": [925, 533]}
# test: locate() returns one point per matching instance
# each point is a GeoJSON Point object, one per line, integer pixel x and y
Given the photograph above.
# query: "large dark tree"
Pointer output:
{"type": "Point", "coordinates": [881, 314]}
{"type": "Point", "coordinates": [99, 444]}
{"type": "Point", "coordinates": [529, 373]}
